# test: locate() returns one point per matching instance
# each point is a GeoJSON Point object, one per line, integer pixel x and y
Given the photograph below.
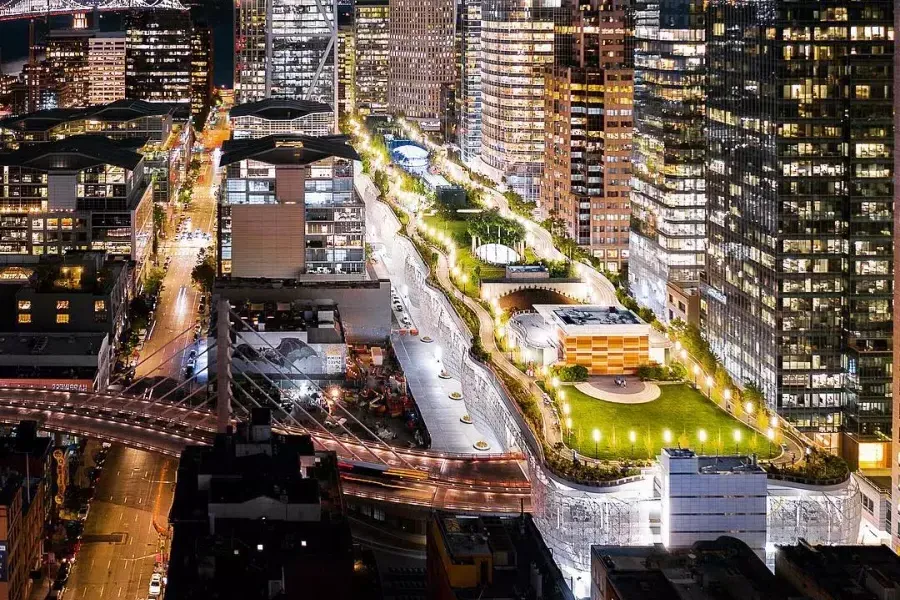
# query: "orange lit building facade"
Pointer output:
{"type": "Point", "coordinates": [588, 98]}
{"type": "Point", "coordinates": [605, 340]}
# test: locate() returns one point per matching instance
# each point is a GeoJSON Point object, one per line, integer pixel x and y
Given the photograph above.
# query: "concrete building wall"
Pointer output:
{"type": "Point", "coordinates": [705, 505]}
{"type": "Point", "coordinates": [267, 240]}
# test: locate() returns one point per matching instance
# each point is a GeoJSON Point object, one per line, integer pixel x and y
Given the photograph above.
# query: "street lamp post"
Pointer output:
{"type": "Point", "coordinates": [709, 384]}
{"type": "Point", "coordinates": [632, 437]}
{"type": "Point", "coordinates": [701, 435]}
{"type": "Point", "coordinates": [770, 433]}
{"type": "Point", "coordinates": [737, 440]}
{"type": "Point", "coordinates": [597, 443]}
{"type": "Point", "coordinates": [696, 374]}
{"type": "Point", "coordinates": [569, 427]}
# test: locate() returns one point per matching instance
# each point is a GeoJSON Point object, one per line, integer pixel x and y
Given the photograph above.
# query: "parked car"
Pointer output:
{"type": "Point", "coordinates": [155, 585]}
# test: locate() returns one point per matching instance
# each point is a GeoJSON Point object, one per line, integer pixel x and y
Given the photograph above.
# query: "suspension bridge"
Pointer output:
{"type": "Point", "coordinates": [29, 9]}
{"type": "Point", "coordinates": [156, 414]}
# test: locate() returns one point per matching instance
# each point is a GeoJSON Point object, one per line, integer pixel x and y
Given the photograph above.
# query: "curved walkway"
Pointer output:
{"type": "Point", "coordinates": [486, 334]}
{"type": "Point", "coordinates": [648, 393]}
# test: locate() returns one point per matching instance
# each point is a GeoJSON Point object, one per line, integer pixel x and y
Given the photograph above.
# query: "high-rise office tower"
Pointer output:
{"type": "Point", "coordinates": [87, 66]}
{"type": "Point", "coordinates": [372, 35]}
{"type": "Point", "coordinates": [346, 65]}
{"type": "Point", "coordinates": [106, 65]}
{"type": "Point", "coordinates": [158, 56]}
{"type": "Point", "coordinates": [516, 48]}
{"type": "Point", "coordinates": [285, 49]}
{"type": "Point", "coordinates": [799, 267]}
{"type": "Point", "coordinates": [588, 125]}
{"type": "Point", "coordinates": [895, 454]}
{"type": "Point", "coordinates": [421, 56]}
{"type": "Point", "coordinates": [201, 71]}
{"type": "Point", "coordinates": [67, 54]}
{"type": "Point", "coordinates": [468, 97]}
{"type": "Point", "coordinates": [667, 248]}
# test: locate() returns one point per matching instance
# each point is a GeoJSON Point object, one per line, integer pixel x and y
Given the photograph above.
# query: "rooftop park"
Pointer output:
{"type": "Point", "coordinates": [680, 417]}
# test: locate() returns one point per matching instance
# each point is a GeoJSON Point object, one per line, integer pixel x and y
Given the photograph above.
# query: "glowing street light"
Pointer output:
{"type": "Point", "coordinates": [465, 280]}
{"type": "Point", "coordinates": [709, 384]}
{"type": "Point", "coordinates": [632, 437]}
{"type": "Point", "coordinates": [748, 407]}
{"type": "Point", "coordinates": [773, 421]}
{"type": "Point", "coordinates": [569, 427]}
{"type": "Point", "coordinates": [696, 373]}
{"type": "Point", "coordinates": [683, 354]}
{"type": "Point", "coordinates": [737, 439]}
{"type": "Point", "coordinates": [562, 394]}
{"type": "Point", "coordinates": [555, 382]}
{"type": "Point", "coordinates": [701, 435]}
{"type": "Point", "coordinates": [596, 443]}
{"type": "Point", "coordinates": [566, 409]}
{"type": "Point", "coordinates": [667, 436]}
{"type": "Point", "coordinates": [770, 433]}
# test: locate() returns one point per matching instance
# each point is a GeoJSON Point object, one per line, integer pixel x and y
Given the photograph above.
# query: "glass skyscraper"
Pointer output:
{"type": "Point", "coordinates": [372, 32]}
{"type": "Point", "coordinates": [800, 209]}
{"type": "Point", "coordinates": [469, 79]}
{"type": "Point", "coordinates": [285, 49]}
{"type": "Point", "coordinates": [668, 195]}
{"type": "Point", "coordinates": [158, 56]}
{"type": "Point", "coordinates": [516, 49]}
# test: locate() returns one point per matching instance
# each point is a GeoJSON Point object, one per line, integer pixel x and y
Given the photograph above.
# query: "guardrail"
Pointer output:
{"type": "Point", "coordinates": [808, 480]}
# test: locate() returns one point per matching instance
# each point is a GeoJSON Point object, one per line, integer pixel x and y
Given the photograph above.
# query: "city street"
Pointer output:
{"type": "Point", "coordinates": [179, 299]}
{"type": "Point", "coordinates": [120, 542]}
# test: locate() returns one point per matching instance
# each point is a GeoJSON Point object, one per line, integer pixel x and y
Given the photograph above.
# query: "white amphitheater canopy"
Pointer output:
{"type": "Point", "coordinates": [497, 254]}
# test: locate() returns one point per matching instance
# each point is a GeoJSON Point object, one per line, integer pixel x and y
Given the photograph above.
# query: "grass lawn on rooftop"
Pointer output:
{"type": "Point", "coordinates": [465, 260]}
{"type": "Point", "coordinates": [680, 409]}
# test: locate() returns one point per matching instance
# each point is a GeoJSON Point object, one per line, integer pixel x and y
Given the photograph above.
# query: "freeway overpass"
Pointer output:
{"type": "Point", "coordinates": [471, 483]}
{"type": "Point", "coordinates": [30, 9]}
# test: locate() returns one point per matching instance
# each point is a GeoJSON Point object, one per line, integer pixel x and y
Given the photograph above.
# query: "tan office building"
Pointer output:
{"type": "Point", "coordinates": [421, 56]}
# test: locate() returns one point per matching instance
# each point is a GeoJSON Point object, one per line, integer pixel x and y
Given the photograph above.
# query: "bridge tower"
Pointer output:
{"type": "Point", "coordinates": [223, 365]}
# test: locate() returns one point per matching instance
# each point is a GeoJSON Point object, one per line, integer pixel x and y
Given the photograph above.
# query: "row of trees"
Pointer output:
{"type": "Point", "coordinates": [488, 226]}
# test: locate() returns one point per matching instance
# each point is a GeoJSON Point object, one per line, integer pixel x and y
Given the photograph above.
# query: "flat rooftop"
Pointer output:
{"type": "Point", "coordinates": [321, 320]}
{"type": "Point", "coordinates": [588, 319]}
{"type": "Point", "coordinates": [13, 346]}
{"type": "Point", "coordinates": [526, 268]}
{"type": "Point", "coordinates": [843, 571]}
{"type": "Point", "coordinates": [717, 464]}
{"type": "Point", "coordinates": [728, 464]}
{"type": "Point", "coordinates": [595, 315]}
{"type": "Point", "coordinates": [708, 570]}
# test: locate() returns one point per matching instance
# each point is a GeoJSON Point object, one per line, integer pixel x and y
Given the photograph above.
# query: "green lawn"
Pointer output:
{"type": "Point", "coordinates": [680, 410]}
{"type": "Point", "coordinates": [466, 262]}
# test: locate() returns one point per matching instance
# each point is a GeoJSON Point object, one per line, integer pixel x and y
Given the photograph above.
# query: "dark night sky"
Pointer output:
{"type": "Point", "coordinates": [14, 41]}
